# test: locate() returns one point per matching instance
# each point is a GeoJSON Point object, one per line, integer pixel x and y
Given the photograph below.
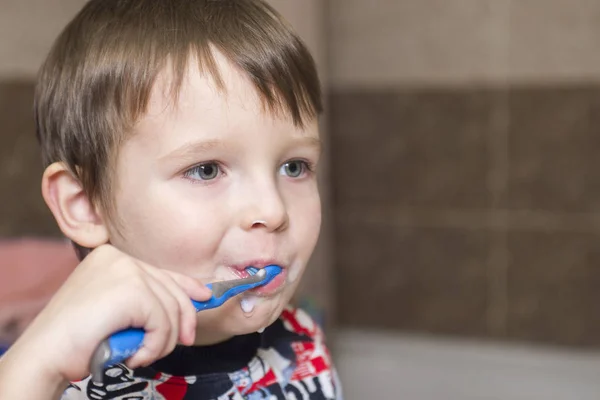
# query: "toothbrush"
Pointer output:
{"type": "Point", "coordinates": [123, 344]}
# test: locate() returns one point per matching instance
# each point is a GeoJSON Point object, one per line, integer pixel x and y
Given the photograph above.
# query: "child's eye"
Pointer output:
{"type": "Point", "coordinates": [203, 172]}
{"type": "Point", "coordinates": [295, 168]}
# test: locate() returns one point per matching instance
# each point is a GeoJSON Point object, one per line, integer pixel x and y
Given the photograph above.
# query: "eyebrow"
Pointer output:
{"type": "Point", "coordinates": [191, 149]}
{"type": "Point", "coordinates": [311, 142]}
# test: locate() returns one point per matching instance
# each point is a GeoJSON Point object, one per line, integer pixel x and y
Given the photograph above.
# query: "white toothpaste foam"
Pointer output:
{"type": "Point", "coordinates": [248, 303]}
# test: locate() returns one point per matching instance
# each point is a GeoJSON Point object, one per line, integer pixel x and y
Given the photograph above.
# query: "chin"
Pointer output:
{"type": "Point", "coordinates": [231, 320]}
{"type": "Point", "coordinates": [265, 312]}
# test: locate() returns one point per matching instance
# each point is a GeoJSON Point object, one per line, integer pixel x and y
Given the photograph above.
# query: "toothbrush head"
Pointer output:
{"type": "Point", "coordinates": [258, 277]}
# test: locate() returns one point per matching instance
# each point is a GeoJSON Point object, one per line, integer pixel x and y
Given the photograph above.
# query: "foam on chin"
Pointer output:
{"type": "Point", "coordinates": [248, 303]}
{"type": "Point", "coordinates": [294, 273]}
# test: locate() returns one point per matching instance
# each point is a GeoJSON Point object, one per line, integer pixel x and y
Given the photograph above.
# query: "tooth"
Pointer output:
{"type": "Point", "coordinates": [261, 272]}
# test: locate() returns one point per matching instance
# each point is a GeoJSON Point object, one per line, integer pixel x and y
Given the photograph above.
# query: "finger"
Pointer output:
{"type": "Point", "coordinates": [187, 318]}
{"type": "Point", "coordinates": [172, 307]}
{"type": "Point", "coordinates": [192, 287]}
{"type": "Point", "coordinates": [153, 318]}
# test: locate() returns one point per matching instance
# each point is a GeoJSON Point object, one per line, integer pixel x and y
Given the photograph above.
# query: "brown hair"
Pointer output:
{"type": "Point", "coordinates": [97, 79]}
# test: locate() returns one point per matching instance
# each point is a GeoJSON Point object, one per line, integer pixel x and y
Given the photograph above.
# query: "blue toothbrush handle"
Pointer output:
{"type": "Point", "coordinates": [213, 302]}
{"type": "Point", "coordinates": [125, 343]}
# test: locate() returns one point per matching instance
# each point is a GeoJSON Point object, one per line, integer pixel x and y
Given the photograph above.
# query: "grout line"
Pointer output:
{"type": "Point", "coordinates": [498, 142]}
{"type": "Point", "coordinates": [496, 221]}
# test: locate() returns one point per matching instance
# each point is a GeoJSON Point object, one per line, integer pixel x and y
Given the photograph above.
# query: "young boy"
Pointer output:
{"type": "Point", "coordinates": [181, 145]}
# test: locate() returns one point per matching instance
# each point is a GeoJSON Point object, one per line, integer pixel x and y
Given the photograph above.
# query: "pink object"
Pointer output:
{"type": "Point", "coordinates": [31, 271]}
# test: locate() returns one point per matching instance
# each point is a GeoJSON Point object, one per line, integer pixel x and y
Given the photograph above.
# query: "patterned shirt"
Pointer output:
{"type": "Point", "coordinates": [288, 360]}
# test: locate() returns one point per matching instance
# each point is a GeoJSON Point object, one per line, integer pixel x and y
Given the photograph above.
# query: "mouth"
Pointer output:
{"type": "Point", "coordinates": [248, 268]}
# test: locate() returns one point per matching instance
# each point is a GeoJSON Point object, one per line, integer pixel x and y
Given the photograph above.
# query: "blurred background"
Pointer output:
{"type": "Point", "coordinates": [460, 252]}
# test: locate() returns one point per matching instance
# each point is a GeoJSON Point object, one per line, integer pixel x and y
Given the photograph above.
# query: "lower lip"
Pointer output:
{"type": "Point", "coordinates": [272, 287]}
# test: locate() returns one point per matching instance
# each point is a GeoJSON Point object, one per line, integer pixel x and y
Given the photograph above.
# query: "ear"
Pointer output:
{"type": "Point", "coordinates": [76, 216]}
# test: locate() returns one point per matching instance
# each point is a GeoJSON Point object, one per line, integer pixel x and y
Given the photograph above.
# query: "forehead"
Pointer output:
{"type": "Point", "coordinates": [229, 98]}
{"type": "Point", "coordinates": [205, 110]}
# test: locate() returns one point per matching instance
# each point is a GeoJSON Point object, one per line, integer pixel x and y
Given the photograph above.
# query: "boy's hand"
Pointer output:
{"type": "Point", "coordinates": [107, 292]}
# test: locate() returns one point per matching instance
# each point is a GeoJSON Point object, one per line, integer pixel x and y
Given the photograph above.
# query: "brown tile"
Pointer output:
{"type": "Point", "coordinates": [553, 282]}
{"type": "Point", "coordinates": [419, 279]}
{"type": "Point", "coordinates": [553, 149]}
{"type": "Point", "coordinates": [411, 148]}
{"type": "Point", "coordinates": [22, 209]}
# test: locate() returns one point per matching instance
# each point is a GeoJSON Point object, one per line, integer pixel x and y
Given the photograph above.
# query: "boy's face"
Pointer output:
{"type": "Point", "coordinates": [213, 184]}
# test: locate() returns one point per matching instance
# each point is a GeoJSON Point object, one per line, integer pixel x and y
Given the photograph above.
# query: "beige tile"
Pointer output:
{"type": "Point", "coordinates": [27, 29]}
{"type": "Point", "coordinates": [308, 18]}
{"type": "Point", "coordinates": [411, 42]}
{"type": "Point", "coordinates": [383, 42]}
{"type": "Point", "coordinates": [554, 40]}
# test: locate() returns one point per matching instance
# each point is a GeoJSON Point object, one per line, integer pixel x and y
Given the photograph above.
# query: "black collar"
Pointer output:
{"type": "Point", "coordinates": [229, 356]}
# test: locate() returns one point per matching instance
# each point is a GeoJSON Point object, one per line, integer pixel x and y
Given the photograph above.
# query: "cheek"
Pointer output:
{"type": "Point", "coordinates": [169, 231]}
{"type": "Point", "coordinates": [305, 219]}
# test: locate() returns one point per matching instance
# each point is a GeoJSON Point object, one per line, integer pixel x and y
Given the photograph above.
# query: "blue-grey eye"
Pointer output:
{"type": "Point", "coordinates": [293, 169]}
{"type": "Point", "coordinates": [204, 172]}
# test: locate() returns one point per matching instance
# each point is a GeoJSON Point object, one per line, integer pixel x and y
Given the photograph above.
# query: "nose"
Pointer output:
{"type": "Point", "coordinates": [265, 208]}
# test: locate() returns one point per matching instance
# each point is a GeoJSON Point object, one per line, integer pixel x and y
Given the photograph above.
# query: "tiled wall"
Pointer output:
{"type": "Point", "coordinates": [27, 29]}
{"type": "Point", "coordinates": [464, 153]}
{"type": "Point", "coordinates": [22, 209]}
{"type": "Point", "coordinates": [380, 43]}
